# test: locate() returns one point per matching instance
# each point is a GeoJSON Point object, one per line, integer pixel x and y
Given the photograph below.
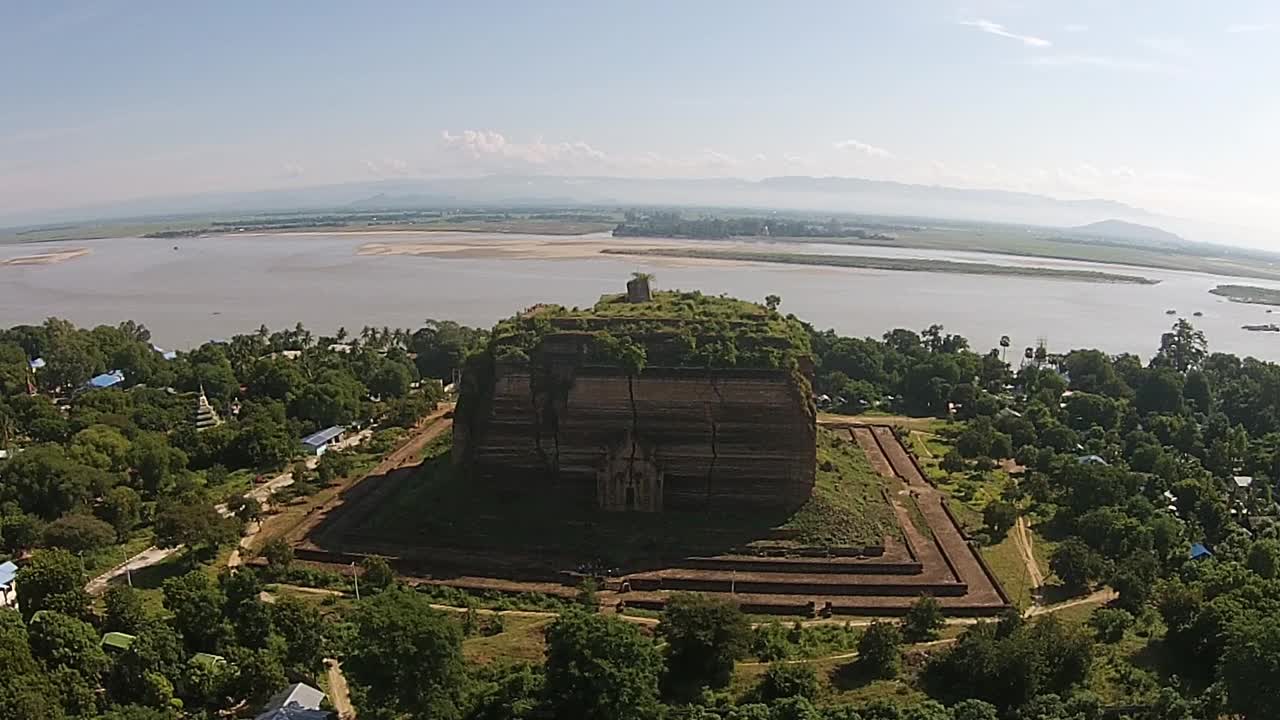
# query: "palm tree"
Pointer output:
{"type": "Point", "coordinates": [341, 335]}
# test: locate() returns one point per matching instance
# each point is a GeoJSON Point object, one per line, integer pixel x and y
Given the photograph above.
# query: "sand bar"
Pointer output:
{"type": "Point", "coordinates": [49, 258]}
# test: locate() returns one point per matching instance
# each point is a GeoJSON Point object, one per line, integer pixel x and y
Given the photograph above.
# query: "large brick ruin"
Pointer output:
{"type": "Point", "coordinates": [671, 436]}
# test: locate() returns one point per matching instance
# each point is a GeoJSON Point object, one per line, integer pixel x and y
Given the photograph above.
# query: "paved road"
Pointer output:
{"type": "Point", "coordinates": [155, 555]}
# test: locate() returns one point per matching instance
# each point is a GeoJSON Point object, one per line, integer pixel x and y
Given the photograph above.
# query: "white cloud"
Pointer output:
{"type": "Point", "coordinates": [1251, 27]}
{"type": "Point", "coordinates": [387, 167]}
{"type": "Point", "coordinates": [292, 170]}
{"type": "Point", "coordinates": [1075, 28]}
{"type": "Point", "coordinates": [994, 28]}
{"type": "Point", "coordinates": [864, 148]}
{"type": "Point", "coordinates": [488, 143]}
{"type": "Point", "coordinates": [1099, 61]}
{"type": "Point", "coordinates": [760, 157]}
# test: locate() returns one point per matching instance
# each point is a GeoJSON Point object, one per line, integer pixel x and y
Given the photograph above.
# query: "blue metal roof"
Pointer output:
{"type": "Point", "coordinates": [1198, 551]}
{"type": "Point", "coordinates": [8, 571]}
{"type": "Point", "coordinates": [316, 439]}
{"type": "Point", "coordinates": [106, 380]}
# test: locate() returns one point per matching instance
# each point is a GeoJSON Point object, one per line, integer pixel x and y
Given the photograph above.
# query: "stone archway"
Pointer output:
{"type": "Point", "coordinates": [630, 478]}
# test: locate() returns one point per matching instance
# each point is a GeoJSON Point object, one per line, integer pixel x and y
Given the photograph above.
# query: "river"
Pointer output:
{"type": "Point", "coordinates": [213, 287]}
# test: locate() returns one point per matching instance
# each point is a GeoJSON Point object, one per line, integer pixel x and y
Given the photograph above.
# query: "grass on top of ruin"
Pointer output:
{"type": "Point", "coordinates": [847, 507]}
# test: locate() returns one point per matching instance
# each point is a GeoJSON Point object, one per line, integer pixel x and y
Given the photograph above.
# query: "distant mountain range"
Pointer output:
{"type": "Point", "coordinates": [798, 193]}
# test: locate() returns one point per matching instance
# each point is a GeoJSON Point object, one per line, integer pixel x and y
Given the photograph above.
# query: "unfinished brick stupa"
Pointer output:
{"type": "Point", "coordinates": [646, 401]}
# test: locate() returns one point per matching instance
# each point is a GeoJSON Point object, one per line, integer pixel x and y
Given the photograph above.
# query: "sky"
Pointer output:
{"type": "Point", "coordinates": [1169, 105]}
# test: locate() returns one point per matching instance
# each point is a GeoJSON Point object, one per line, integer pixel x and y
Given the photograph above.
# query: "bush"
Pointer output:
{"type": "Point", "coordinates": [923, 620]}
{"type": "Point", "coordinates": [999, 517]}
{"type": "Point", "coordinates": [784, 680]}
{"type": "Point", "coordinates": [79, 533]}
{"type": "Point", "coordinates": [879, 652]}
{"type": "Point", "coordinates": [1110, 624]}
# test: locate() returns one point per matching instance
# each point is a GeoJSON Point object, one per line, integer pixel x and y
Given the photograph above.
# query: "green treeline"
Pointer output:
{"type": "Point", "coordinates": [673, 225]}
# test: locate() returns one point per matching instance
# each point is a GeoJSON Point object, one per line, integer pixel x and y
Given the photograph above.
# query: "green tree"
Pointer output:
{"type": "Point", "coordinates": [191, 519]}
{"type": "Point", "coordinates": [705, 636]}
{"type": "Point", "coordinates": [1182, 348]}
{"type": "Point", "coordinates": [1110, 624]}
{"type": "Point", "coordinates": [407, 655]}
{"type": "Point", "coordinates": [59, 640]}
{"type": "Point", "coordinates": [52, 580]}
{"type": "Point", "coordinates": [78, 532]}
{"type": "Point", "coordinates": [279, 554]}
{"type": "Point", "coordinates": [377, 573]}
{"type": "Point", "coordinates": [25, 690]}
{"type": "Point", "coordinates": [125, 611]}
{"type": "Point", "coordinates": [100, 446]}
{"type": "Point", "coordinates": [787, 679]}
{"type": "Point", "coordinates": [43, 481]}
{"type": "Point", "coordinates": [121, 507]}
{"type": "Point", "coordinates": [156, 462]}
{"type": "Point", "coordinates": [1076, 564]}
{"type": "Point", "coordinates": [999, 516]}
{"type": "Point", "coordinates": [391, 380]}
{"type": "Point", "coordinates": [1264, 557]}
{"type": "Point", "coordinates": [245, 508]}
{"type": "Point", "coordinates": [600, 668]}
{"type": "Point", "coordinates": [196, 602]}
{"type": "Point", "coordinates": [923, 620]}
{"type": "Point", "coordinates": [259, 673]}
{"type": "Point", "coordinates": [879, 650]}
{"type": "Point", "coordinates": [302, 628]}
{"type": "Point", "coordinates": [1249, 666]}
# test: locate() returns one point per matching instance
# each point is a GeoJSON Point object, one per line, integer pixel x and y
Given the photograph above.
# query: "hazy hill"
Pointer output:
{"type": "Point", "coordinates": [1089, 218]}
{"type": "Point", "coordinates": [1121, 230]}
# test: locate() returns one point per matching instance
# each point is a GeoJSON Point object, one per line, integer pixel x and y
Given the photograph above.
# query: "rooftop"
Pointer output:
{"type": "Point", "coordinates": [316, 439]}
{"type": "Point", "coordinates": [294, 701]}
{"type": "Point", "coordinates": [106, 380]}
{"type": "Point", "coordinates": [8, 571]}
{"type": "Point", "coordinates": [118, 640]}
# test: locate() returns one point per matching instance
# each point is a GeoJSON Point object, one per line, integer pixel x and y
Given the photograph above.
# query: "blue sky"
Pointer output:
{"type": "Point", "coordinates": [1166, 104]}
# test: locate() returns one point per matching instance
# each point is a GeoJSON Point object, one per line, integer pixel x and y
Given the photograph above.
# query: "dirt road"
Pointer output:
{"type": "Point", "coordinates": [339, 693]}
{"type": "Point", "coordinates": [155, 555]}
{"type": "Point", "coordinates": [1022, 536]}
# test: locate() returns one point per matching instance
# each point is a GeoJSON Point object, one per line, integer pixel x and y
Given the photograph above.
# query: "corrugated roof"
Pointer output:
{"type": "Point", "coordinates": [8, 571]}
{"type": "Point", "coordinates": [321, 437]}
{"type": "Point", "coordinates": [1198, 550]}
{"type": "Point", "coordinates": [118, 640]}
{"type": "Point", "coordinates": [106, 380]}
{"type": "Point", "coordinates": [209, 659]}
{"type": "Point", "coordinates": [300, 694]}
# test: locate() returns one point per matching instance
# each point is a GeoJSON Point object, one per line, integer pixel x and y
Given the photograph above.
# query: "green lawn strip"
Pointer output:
{"type": "Point", "coordinates": [1007, 564]}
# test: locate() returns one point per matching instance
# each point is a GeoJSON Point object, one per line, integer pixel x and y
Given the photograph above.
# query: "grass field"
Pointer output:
{"type": "Point", "coordinates": [439, 507]}
{"type": "Point", "coordinates": [1007, 564]}
{"type": "Point", "coordinates": [521, 639]}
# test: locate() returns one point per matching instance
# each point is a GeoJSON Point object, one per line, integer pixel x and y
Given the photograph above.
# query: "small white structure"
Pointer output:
{"type": "Point", "coordinates": [299, 701]}
{"type": "Point", "coordinates": [1243, 482]}
{"type": "Point", "coordinates": [8, 574]}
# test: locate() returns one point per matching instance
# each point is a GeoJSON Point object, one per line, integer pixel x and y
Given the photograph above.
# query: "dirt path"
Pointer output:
{"type": "Point", "coordinates": [297, 522]}
{"type": "Point", "coordinates": [1022, 536]}
{"type": "Point", "coordinates": [339, 693]}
